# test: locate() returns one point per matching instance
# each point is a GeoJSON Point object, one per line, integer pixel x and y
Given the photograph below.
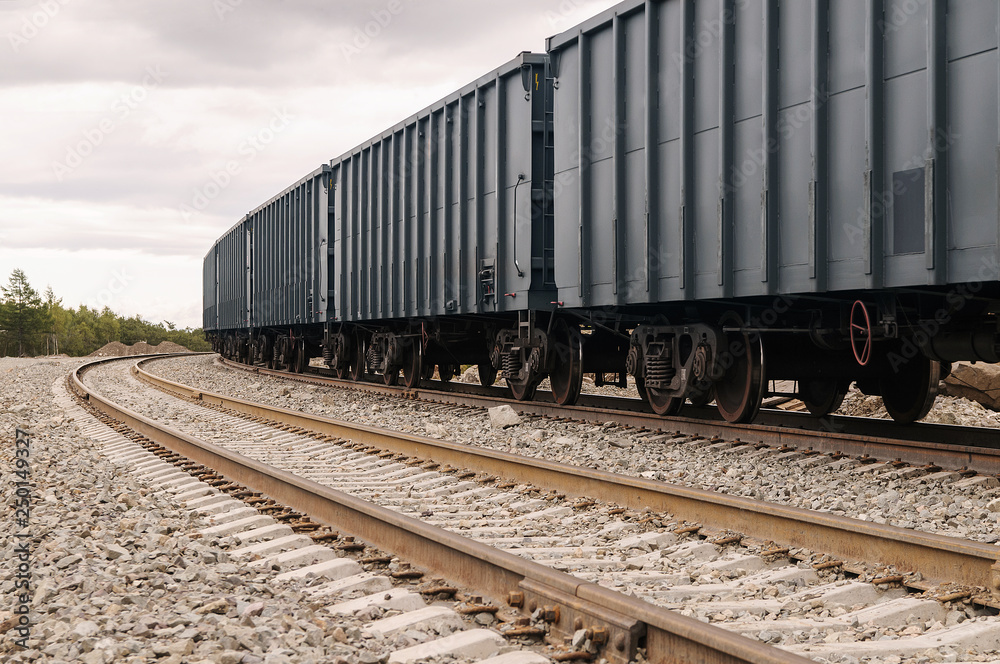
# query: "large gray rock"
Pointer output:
{"type": "Point", "coordinates": [471, 375]}
{"type": "Point", "coordinates": [976, 382]}
{"type": "Point", "coordinates": [504, 416]}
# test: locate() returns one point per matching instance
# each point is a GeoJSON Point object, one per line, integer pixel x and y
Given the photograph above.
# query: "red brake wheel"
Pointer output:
{"type": "Point", "coordinates": [861, 333]}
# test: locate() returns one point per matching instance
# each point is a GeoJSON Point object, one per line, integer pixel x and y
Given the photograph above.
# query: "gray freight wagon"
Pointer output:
{"type": "Point", "coordinates": [708, 196]}
{"type": "Point", "coordinates": [812, 165]}
{"type": "Point", "coordinates": [266, 279]}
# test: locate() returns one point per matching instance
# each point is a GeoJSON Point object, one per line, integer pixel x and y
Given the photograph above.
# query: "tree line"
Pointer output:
{"type": "Point", "coordinates": [32, 324]}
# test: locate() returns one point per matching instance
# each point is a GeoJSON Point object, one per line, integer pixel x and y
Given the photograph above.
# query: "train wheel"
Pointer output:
{"type": "Point", "coordinates": [640, 387]}
{"type": "Point", "coordinates": [356, 371]}
{"type": "Point", "coordinates": [412, 365]}
{"type": "Point", "coordinates": [446, 372]}
{"type": "Point", "coordinates": [909, 393]}
{"type": "Point", "coordinates": [663, 404]}
{"type": "Point", "coordinates": [523, 391]}
{"type": "Point", "coordinates": [821, 396]}
{"type": "Point", "coordinates": [267, 352]}
{"type": "Point", "coordinates": [391, 376]}
{"type": "Point", "coordinates": [426, 371]}
{"type": "Point", "coordinates": [301, 359]}
{"type": "Point", "coordinates": [740, 390]}
{"type": "Point", "coordinates": [567, 373]}
{"type": "Point", "coordinates": [487, 374]}
{"type": "Point", "coordinates": [702, 398]}
{"type": "Point", "coordinates": [341, 372]}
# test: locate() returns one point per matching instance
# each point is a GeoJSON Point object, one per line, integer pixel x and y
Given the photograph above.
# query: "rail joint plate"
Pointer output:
{"type": "Point", "coordinates": [616, 635]}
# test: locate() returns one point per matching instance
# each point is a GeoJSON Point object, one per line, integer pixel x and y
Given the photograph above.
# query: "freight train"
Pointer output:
{"type": "Point", "coordinates": [706, 196]}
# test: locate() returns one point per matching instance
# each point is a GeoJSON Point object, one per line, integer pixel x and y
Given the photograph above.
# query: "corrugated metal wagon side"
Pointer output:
{"type": "Point", "coordinates": [727, 148]}
{"type": "Point", "coordinates": [226, 287]}
{"type": "Point", "coordinates": [810, 182]}
{"type": "Point", "coordinates": [267, 291]}
{"type": "Point", "coordinates": [210, 291]}
{"type": "Point", "coordinates": [233, 261]}
{"type": "Point", "coordinates": [444, 232]}
{"type": "Point", "coordinates": [443, 214]}
{"type": "Point", "coordinates": [289, 285]}
{"type": "Point", "coordinates": [290, 242]}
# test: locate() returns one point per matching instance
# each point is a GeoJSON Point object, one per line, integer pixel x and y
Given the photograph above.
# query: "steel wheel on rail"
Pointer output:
{"type": "Point", "coordinates": [566, 376]}
{"type": "Point", "coordinates": [391, 376]}
{"type": "Point", "coordinates": [300, 359]}
{"type": "Point", "coordinates": [523, 390]}
{"type": "Point", "coordinates": [446, 372]}
{"type": "Point", "coordinates": [356, 370]}
{"type": "Point", "coordinates": [267, 351]}
{"type": "Point", "coordinates": [640, 387]}
{"type": "Point", "coordinates": [821, 396]}
{"type": "Point", "coordinates": [703, 397]}
{"type": "Point", "coordinates": [426, 371]}
{"type": "Point", "coordinates": [739, 391]}
{"type": "Point", "coordinates": [487, 374]}
{"type": "Point", "coordinates": [908, 392]}
{"type": "Point", "coordinates": [662, 404]}
{"type": "Point", "coordinates": [412, 364]}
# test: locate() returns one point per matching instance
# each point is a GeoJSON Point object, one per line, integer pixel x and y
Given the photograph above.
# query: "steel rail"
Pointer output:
{"type": "Point", "coordinates": [631, 623]}
{"type": "Point", "coordinates": [846, 435]}
{"type": "Point", "coordinates": [939, 559]}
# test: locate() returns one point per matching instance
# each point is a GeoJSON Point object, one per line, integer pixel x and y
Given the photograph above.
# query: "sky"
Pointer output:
{"type": "Point", "coordinates": [135, 133]}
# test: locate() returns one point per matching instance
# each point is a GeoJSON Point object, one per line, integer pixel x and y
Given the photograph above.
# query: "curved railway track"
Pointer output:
{"type": "Point", "coordinates": [753, 542]}
{"type": "Point", "coordinates": [973, 449]}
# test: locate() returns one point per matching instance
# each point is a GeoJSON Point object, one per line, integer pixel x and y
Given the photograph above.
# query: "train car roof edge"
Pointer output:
{"type": "Point", "coordinates": [324, 168]}
{"type": "Point", "coordinates": [506, 69]}
{"type": "Point", "coordinates": [569, 37]}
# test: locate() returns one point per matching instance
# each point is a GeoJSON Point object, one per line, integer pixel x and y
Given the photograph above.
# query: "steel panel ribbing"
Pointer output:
{"type": "Point", "coordinates": [210, 290]}
{"type": "Point", "coordinates": [433, 207]}
{"type": "Point", "coordinates": [286, 256]}
{"type": "Point", "coordinates": [232, 267]}
{"type": "Point", "coordinates": [785, 146]}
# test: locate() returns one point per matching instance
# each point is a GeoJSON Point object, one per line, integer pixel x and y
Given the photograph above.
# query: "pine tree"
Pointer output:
{"type": "Point", "coordinates": [53, 308]}
{"type": "Point", "coordinates": [22, 314]}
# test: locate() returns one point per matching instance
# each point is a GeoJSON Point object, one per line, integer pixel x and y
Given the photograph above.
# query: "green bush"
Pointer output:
{"type": "Point", "coordinates": [32, 325]}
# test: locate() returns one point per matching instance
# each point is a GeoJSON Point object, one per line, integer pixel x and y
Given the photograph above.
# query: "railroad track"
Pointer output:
{"type": "Point", "coordinates": [972, 450]}
{"type": "Point", "coordinates": [745, 553]}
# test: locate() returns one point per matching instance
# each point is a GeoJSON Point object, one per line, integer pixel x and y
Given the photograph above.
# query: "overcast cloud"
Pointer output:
{"type": "Point", "coordinates": [135, 133]}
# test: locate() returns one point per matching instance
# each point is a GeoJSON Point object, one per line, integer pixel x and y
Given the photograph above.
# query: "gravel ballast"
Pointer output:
{"type": "Point", "coordinates": [121, 573]}
{"type": "Point", "coordinates": [805, 635]}
{"type": "Point", "coordinates": [907, 497]}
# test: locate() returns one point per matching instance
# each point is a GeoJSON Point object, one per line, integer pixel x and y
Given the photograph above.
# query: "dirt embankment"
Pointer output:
{"type": "Point", "coordinates": [118, 349]}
